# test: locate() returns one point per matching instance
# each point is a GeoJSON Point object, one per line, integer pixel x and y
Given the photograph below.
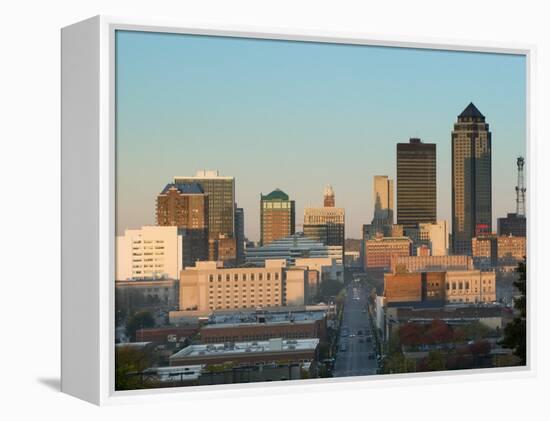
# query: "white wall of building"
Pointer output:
{"type": "Point", "coordinates": [149, 252]}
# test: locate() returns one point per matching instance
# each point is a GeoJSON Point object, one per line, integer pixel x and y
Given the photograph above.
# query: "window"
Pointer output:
{"type": "Point", "coordinates": [269, 276]}
{"type": "Point", "coordinates": [211, 278]}
{"type": "Point", "coordinates": [244, 276]}
{"type": "Point", "coordinates": [236, 277]}
{"type": "Point", "coordinates": [251, 276]}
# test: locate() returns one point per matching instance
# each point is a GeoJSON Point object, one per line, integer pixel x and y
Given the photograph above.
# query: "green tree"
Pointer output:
{"type": "Point", "coordinates": [140, 320]}
{"type": "Point", "coordinates": [129, 364]}
{"type": "Point", "coordinates": [515, 332]}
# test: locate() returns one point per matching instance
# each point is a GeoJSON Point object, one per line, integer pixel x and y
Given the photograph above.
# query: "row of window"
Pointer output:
{"type": "Point", "coordinates": [244, 277]}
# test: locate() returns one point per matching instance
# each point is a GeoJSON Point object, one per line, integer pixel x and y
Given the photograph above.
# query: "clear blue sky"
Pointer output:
{"type": "Point", "coordinates": [298, 115]}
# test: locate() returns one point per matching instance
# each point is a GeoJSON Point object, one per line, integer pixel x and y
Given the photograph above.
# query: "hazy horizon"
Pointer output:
{"type": "Point", "coordinates": [297, 116]}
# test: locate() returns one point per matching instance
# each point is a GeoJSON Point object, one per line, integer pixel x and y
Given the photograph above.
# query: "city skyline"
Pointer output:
{"type": "Point", "coordinates": [329, 116]}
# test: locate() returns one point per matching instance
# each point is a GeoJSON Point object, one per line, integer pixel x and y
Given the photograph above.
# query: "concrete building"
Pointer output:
{"type": "Point", "coordinates": [380, 250]}
{"type": "Point", "coordinates": [221, 203]}
{"type": "Point", "coordinates": [239, 235]}
{"type": "Point", "coordinates": [326, 225]}
{"type": "Point", "coordinates": [416, 183]}
{"type": "Point", "coordinates": [209, 286]}
{"type": "Point", "coordinates": [431, 263]}
{"type": "Point", "coordinates": [471, 179]}
{"type": "Point", "coordinates": [328, 268]}
{"type": "Point", "coordinates": [291, 248]}
{"type": "Point", "coordinates": [414, 287]}
{"type": "Point", "coordinates": [223, 249]}
{"type": "Point", "coordinates": [511, 250]}
{"type": "Point", "coordinates": [186, 207]}
{"type": "Point", "coordinates": [264, 326]}
{"type": "Point", "coordinates": [383, 202]}
{"type": "Point", "coordinates": [277, 216]}
{"type": "Point", "coordinates": [484, 251]}
{"type": "Point", "coordinates": [271, 351]}
{"type": "Point", "coordinates": [471, 286]}
{"type": "Point", "coordinates": [435, 236]}
{"type": "Point", "coordinates": [512, 224]}
{"type": "Point", "coordinates": [149, 253]}
{"type": "Point", "coordinates": [146, 294]}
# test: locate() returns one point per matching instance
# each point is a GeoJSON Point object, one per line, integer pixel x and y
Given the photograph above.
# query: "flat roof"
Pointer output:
{"type": "Point", "coordinates": [250, 347]}
{"type": "Point", "coordinates": [269, 317]}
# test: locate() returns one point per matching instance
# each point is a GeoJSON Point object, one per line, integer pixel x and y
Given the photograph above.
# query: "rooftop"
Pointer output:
{"type": "Point", "coordinates": [184, 188]}
{"type": "Point", "coordinates": [471, 111]}
{"type": "Point", "coordinates": [276, 194]}
{"type": "Point", "coordinates": [236, 348]}
{"type": "Point", "coordinates": [223, 320]}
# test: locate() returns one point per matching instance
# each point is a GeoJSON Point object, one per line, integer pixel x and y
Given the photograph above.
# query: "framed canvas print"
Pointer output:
{"type": "Point", "coordinates": [244, 209]}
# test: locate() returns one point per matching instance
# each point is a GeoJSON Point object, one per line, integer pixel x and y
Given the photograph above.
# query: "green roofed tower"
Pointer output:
{"type": "Point", "coordinates": [277, 216]}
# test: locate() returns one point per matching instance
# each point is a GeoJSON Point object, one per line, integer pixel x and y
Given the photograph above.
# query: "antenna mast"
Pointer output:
{"type": "Point", "coordinates": [520, 189]}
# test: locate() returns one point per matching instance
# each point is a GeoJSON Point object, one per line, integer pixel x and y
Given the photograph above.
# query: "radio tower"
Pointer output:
{"type": "Point", "coordinates": [520, 189]}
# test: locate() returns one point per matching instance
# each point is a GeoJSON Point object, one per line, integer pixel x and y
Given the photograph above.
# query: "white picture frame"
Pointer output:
{"type": "Point", "coordinates": [88, 210]}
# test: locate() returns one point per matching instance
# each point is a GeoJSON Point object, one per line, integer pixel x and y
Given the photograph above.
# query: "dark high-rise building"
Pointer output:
{"type": "Point", "coordinates": [221, 204]}
{"type": "Point", "coordinates": [277, 216]}
{"type": "Point", "coordinates": [239, 234]}
{"type": "Point", "coordinates": [471, 179]}
{"type": "Point", "coordinates": [221, 201]}
{"type": "Point", "coordinates": [512, 224]}
{"type": "Point", "coordinates": [185, 205]}
{"type": "Point", "coordinates": [416, 183]}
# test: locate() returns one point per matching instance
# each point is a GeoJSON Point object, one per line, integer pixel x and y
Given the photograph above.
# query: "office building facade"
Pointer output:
{"type": "Point", "coordinates": [277, 216]}
{"type": "Point", "coordinates": [149, 253]}
{"type": "Point", "coordinates": [471, 179]}
{"type": "Point", "coordinates": [383, 201]}
{"type": "Point", "coordinates": [221, 202]}
{"type": "Point", "coordinates": [209, 286]}
{"type": "Point", "coordinates": [416, 183]}
{"type": "Point", "coordinates": [185, 206]}
{"type": "Point", "coordinates": [380, 251]}
{"type": "Point", "coordinates": [512, 224]}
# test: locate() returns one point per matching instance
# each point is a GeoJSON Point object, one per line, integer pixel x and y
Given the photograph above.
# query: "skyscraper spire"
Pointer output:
{"type": "Point", "coordinates": [329, 199]}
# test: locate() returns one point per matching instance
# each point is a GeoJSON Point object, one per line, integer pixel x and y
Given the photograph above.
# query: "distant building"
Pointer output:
{"type": "Point", "coordinates": [430, 263]}
{"type": "Point", "coordinates": [239, 235]}
{"type": "Point", "coordinates": [252, 353]}
{"type": "Point", "coordinates": [329, 200]}
{"type": "Point", "coordinates": [185, 206]}
{"type": "Point", "coordinates": [414, 287]}
{"type": "Point", "coordinates": [491, 251]}
{"type": "Point", "coordinates": [484, 251]}
{"type": "Point", "coordinates": [326, 267]}
{"type": "Point", "coordinates": [224, 249]}
{"type": "Point", "coordinates": [146, 294]}
{"type": "Point", "coordinates": [416, 183]}
{"type": "Point", "coordinates": [380, 250]}
{"type": "Point", "coordinates": [352, 259]}
{"type": "Point", "coordinates": [470, 287]}
{"type": "Point", "coordinates": [277, 216]}
{"type": "Point", "coordinates": [291, 248]}
{"type": "Point", "coordinates": [383, 201]}
{"type": "Point", "coordinates": [435, 236]}
{"type": "Point", "coordinates": [511, 250]}
{"type": "Point", "coordinates": [471, 179]}
{"type": "Point", "coordinates": [149, 253]}
{"type": "Point", "coordinates": [221, 202]}
{"type": "Point", "coordinates": [209, 286]}
{"type": "Point", "coordinates": [512, 224]}
{"type": "Point", "coordinates": [263, 326]}
{"type": "Point", "coordinates": [326, 225]}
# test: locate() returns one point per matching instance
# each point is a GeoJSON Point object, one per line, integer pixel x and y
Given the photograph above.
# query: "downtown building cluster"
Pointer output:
{"type": "Point", "coordinates": [196, 265]}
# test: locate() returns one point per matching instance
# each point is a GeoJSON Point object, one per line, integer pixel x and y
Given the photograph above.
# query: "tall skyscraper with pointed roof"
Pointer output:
{"type": "Point", "coordinates": [471, 179]}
